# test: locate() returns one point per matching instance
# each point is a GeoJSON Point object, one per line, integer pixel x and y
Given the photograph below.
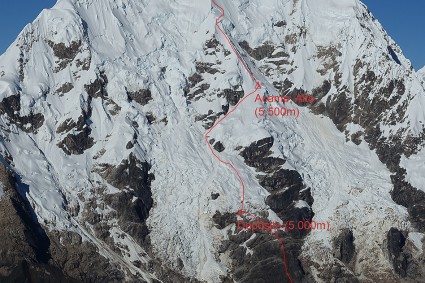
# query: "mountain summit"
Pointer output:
{"type": "Point", "coordinates": [106, 176]}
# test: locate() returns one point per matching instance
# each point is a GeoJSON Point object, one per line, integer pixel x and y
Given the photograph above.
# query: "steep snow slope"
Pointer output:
{"type": "Point", "coordinates": [316, 44]}
{"type": "Point", "coordinates": [421, 72]}
{"type": "Point", "coordinates": [105, 105]}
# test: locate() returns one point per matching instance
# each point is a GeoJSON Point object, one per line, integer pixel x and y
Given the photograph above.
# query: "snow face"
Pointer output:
{"type": "Point", "coordinates": [414, 166]}
{"type": "Point", "coordinates": [328, 19]}
{"type": "Point", "coordinates": [421, 73]}
{"type": "Point", "coordinates": [155, 45]}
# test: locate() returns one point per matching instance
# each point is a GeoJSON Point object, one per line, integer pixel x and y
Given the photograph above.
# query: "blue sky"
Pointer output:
{"type": "Point", "coordinates": [403, 20]}
{"type": "Point", "coordinates": [15, 15]}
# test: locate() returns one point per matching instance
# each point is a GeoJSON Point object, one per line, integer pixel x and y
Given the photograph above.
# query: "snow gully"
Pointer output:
{"type": "Point", "coordinates": [257, 87]}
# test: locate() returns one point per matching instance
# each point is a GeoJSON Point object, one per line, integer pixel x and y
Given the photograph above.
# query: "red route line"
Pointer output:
{"type": "Point", "coordinates": [257, 87]}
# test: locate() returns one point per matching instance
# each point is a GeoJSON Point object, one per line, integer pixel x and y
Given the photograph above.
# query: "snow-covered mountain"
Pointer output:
{"type": "Point", "coordinates": [107, 176]}
{"type": "Point", "coordinates": [421, 72]}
